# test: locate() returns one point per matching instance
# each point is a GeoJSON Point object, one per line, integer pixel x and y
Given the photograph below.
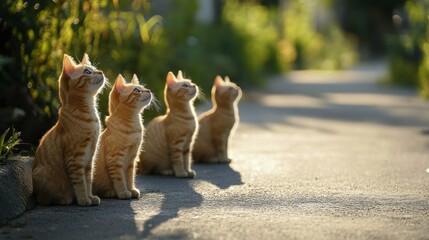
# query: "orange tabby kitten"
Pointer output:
{"type": "Point", "coordinates": [120, 142]}
{"type": "Point", "coordinates": [169, 138]}
{"type": "Point", "coordinates": [215, 125]}
{"type": "Point", "coordinates": [62, 168]}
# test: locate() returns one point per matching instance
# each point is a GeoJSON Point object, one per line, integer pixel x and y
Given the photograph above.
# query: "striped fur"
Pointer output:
{"type": "Point", "coordinates": [62, 168]}
{"type": "Point", "coordinates": [216, 125]}
{"type": "Point", "coordinates": [120, 142]}
{"type": "Point", "coordinates": [169, 138]}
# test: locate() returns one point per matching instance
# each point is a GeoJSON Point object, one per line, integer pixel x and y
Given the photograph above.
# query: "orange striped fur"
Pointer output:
{"type": "Point", "coordinates": [216, 125]}
{"type": "Point", "coordinates": [120, 142]}
{"type": "Point", "coordinates": [169, 138]}
{"type": "Point", "coordinates": [62, 168]}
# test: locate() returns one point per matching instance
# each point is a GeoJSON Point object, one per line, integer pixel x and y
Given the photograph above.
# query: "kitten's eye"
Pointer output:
{"type": "Point", "coordinates": [136, 90]}
{"type": "Point", "coordinates": [185, 85]}
{"type": "Point", "coordinates": [86, 71]}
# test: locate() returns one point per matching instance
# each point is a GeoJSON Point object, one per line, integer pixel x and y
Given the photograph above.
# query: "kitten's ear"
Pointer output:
{"type": "Point", "coordinates": [171, 79]}
{"type": "Point", "coordinates": [135, 80]}
{"type": "Point", "coordinates": [120, 83]}
{"type": "Point", "coordinates": [85, 59]}
{"type": "Point", "coordinates": [115, 93]}
{"type": "Point", "coordinates": [68, 65]}
{"type": "Point", "coordinates": [180, 75]}
{"type": "Point", "coordinates": [218, 81]}
{"type": "Point", "coordinates": [227, 79]}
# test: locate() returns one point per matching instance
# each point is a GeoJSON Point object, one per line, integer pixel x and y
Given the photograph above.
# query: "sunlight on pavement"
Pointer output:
{"type": "Point", "coordinates": [370, 99]}
{"type": "Point", "coordinates": [322, 99]}
{"type": "Point", "coordinates": [363, 74]}
{"type": "Point", "coordinates": [283, 100]}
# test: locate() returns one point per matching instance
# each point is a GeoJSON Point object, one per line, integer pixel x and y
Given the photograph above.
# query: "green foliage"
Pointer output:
{"type": "Point", "coordinates": [338, 52]}
{"type": "Point", "coordinates": [403, 71]}
{"type": "Point", "coordinates": [307, 47]}
{"type": "Point", "coordinates": [167, 50]}
{"type": "Point", "coordinates": [405, 47]}
{"type": "Point", "coordinates": [103, 29]}
{"type": "Point", "coordinates": [368, 21]}
{"type": "Point", "coordinates": [299, 33]}
{"type": "Point", "coordinates": [132, 44]}
{"type": "Point", "coordinates": [424, 68]}
{"type": "Point", "coordinates": [240, 45]}
{"type": "Point", "coordinates": [8, 145]}
{"type": "Point", "coordinates": [424, 72]}
{"type": "Point", "coordinates": [253, 34]}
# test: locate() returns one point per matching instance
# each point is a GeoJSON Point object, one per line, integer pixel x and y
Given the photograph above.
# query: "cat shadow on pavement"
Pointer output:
{"type": "Point", "coordinates": [221, 175]}
{"type": "Point", "coordinates": [179, 194]}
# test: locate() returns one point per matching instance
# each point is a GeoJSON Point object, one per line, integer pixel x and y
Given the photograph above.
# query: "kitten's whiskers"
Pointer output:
{"type": "Point", "coordinates": [155, 103]}
{"type": "Point", "coordinates": [202, 96]}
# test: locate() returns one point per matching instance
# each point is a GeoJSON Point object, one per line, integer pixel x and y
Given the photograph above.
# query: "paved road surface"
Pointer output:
{"type": "Point", "coordinates": [317, 156]}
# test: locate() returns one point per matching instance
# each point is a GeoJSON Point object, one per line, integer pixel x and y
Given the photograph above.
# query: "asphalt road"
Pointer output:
{"type": "Point", "coordinates": [318, 155]}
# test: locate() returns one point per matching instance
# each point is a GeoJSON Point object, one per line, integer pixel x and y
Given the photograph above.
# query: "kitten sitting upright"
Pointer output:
{"type": "Point", "coordinates": [62, 168]}
{"type": "Point", "coordinates": [169, 138]}
{"type": "Point", "coordinates": [215, 125]}
{"type": "Point", "coordinates": [120, 142]}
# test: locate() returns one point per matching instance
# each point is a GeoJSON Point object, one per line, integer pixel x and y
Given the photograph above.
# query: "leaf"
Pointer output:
{"type": "Point", "coordinates": [7, 146]}
{"type": "Point", "coordinates": [146, 26]}
{"type": "Point", "coordinates": [2, 138]}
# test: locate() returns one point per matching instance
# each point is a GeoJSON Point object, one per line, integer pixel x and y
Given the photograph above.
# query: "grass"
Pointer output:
{"type": "Point", "coordinates": [8, 145]}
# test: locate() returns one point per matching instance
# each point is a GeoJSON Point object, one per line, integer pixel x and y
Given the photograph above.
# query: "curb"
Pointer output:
{"type": "Point", "coordinates": [16, 188]}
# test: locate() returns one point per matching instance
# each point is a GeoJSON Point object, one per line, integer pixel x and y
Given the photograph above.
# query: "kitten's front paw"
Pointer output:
{"type": "Point", "coordinates": [192, 174]}
{"type": "Point", "coordinates": [135, 193]}
{"type": "Point", "coordinates": [124, 195]}
{"type": "Point", "coordinates": [95, 200]}
{"type": "Point", "coordinates": [84, 202]}
{"type": "Point", "coordinates": [182, 174]}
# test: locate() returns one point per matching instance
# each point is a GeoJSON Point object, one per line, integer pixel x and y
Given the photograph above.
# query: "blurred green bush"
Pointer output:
{"type": "Point", "coordinates": [424, 69]}
{"type": "Point", "coordinates": [408, 49]}
{"type": "Point", "coordinates": [326, 48]}
{"type": "Point", "coordinates": [424, 65]}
